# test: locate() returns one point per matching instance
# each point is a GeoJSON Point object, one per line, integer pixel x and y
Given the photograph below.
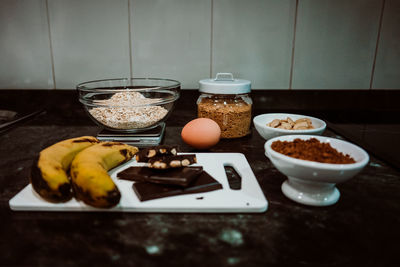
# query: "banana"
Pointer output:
{"type": "Point", "coordinates": [49, 176]}
{"type": "Point", "coordinates": [89, 173]}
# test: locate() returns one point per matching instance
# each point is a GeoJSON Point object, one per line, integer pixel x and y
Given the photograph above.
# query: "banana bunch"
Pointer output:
{"type": "Point", "coordinates": [88, 162]}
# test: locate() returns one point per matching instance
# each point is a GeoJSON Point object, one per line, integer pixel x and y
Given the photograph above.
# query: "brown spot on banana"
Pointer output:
{"type": "Point", "coordinates": [128, 155]}
{"type": "Point", "coordinates": [86, 140]}
{"type": "Point", "coordinates": [124, 152]}
{"type": "Point", "coordinates": [106, 144]}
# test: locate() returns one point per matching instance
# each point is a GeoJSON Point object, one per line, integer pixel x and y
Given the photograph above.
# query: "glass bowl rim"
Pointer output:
{"type": "Point", "coordinates": [82, 87]}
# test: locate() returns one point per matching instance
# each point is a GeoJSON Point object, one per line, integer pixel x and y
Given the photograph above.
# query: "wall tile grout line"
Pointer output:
{"type": "Point", "coordinates": [130, 39]}
{"type": "Point", "coordinates": [293, 45]}
{"type": "Point", "coordinates": [51, 46]}
{"type": "Point", "coordinates": [211, 37]}
{"type": "Point", "coordinates": [378, 37]}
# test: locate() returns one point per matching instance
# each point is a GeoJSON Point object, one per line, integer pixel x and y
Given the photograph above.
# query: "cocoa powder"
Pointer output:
{"type": "Point", "coordinates": [313, 150]}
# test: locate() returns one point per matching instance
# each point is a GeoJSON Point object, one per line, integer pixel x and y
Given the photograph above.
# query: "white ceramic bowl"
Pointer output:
{"type": "Point", "coordinates": [261, 121]}
{"type": "Point", "coordinates": [313, 183]}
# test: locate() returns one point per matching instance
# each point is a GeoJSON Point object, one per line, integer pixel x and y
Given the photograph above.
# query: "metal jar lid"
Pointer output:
{"type": "Point", "coordinates": [224, 83]}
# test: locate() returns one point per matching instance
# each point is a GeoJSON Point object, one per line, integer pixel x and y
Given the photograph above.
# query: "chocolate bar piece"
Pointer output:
{"type": "Point", "coordinates": [204, 183]}
{"type": "Point", "coordinates": [234, 178]}
{"type": "Point", "coordinates": [147, 153]}
{"type": "Point", "coordinates": [166, 162]}
{"type": "Point", "coordinates": [175, 176]}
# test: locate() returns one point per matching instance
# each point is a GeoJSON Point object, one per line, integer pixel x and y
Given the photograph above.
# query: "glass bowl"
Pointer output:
{"type": "Point", "coordinates": [129, 105]}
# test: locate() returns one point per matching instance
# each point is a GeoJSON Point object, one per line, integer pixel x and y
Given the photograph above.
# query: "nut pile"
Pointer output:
{"type": "Point", "coordinates": [124, 115]}
{"type": "Point", "coordinates": [289, 124]}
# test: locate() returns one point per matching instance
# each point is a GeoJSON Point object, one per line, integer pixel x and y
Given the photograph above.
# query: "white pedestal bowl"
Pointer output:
{"type": "Point", "coordinates": [313, 183]}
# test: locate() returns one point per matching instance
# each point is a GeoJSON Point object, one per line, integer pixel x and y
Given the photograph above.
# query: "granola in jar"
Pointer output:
{"type": "Point", "coordinates": [226, 101]}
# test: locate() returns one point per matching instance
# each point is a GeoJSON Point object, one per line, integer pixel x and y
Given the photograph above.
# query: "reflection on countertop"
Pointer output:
{"type": "Point", "coordinates": [359, 230]}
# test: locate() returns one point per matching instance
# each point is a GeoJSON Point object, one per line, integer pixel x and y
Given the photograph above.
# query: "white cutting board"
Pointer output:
{"type": "Point", "coordinates": [249, 198]}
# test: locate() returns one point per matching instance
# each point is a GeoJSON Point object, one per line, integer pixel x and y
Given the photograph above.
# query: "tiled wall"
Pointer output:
{"type": "Point", "coordinates": [277, 44]}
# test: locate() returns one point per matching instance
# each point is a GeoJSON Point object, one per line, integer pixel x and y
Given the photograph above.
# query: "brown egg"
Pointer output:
{"type": "Point", "coordinates": [201, 133]}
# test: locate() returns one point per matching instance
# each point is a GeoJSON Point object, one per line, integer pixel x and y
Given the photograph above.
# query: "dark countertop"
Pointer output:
{"type": "Point", "coordinates": [361, 229]}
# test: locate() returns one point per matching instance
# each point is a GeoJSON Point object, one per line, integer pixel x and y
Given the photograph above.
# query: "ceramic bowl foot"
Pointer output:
{"type": "Point", "coordinates": [310, 193]}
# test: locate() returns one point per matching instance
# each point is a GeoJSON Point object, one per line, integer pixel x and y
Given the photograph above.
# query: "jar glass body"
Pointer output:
{"type": "Point", "coordinates": [231, 112]}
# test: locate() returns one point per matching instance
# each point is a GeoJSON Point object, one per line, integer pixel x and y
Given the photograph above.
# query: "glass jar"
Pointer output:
{"type": "Point", "coordinates": [226, 101]}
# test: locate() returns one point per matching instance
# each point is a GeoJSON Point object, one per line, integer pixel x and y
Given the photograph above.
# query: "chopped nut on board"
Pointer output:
{"type": "Point", "coordinates": [145, 154]}
{"type": "Point", "coordinates": [165, 162]}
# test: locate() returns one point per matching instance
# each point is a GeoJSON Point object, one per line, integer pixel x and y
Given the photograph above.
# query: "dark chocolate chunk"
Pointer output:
{"type": "Point", "coordinates": [150, 152]}
{"type": "Point", "coordinates": [176, 176]}
{"type": "Point", "coordinates": [234, 178]}
{"type": "Point", "coordinates": [166, 162]}
{"type": "Point", "coordinates": [148, 191]}
{"type": "Point", "coordinates": [135, 173]}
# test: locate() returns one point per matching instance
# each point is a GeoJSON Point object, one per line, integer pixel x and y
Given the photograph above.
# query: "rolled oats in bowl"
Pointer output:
{"type": "Point", "coordinates": [129, 105]}
{"type": "Point", "coordinates": [127, 117]}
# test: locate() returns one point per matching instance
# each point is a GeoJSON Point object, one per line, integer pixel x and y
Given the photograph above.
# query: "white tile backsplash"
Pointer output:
{"type": "Point", "coordinates": [253, 40]}
{"type": "Point", "coordinates": [47, 44]}
{"type": "Point", "coordinates": [90, 40]}
{"type": "Point", "coordinates": [387, 68]}
{"type": "Point", "coordinates": [25, 61]}
{"type": "Point", "coordinates": [335, 43]}
{"type": "Point", "coordinates": [171, 39]}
